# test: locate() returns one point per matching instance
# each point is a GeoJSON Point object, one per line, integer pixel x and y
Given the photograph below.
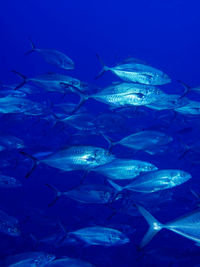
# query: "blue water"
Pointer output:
{"type": "Point", "coordinates": [163, 33]}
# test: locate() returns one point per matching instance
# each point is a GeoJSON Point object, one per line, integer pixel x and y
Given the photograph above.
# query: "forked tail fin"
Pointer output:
{"type": "Point", "coordinates": [154, 226]}
{"type": "Point", "coordinates": [186, 87]}
{"type": "Point", "coordinates": [34, 165]}
{"type": "Point", "coordinates": [33, 48]}
{"type": "Point", "coordinates": [104, 67]}
{"type": "Point", "coordinates": [58, 194]}
{"type": "Point", "coordinates": [23, 77]}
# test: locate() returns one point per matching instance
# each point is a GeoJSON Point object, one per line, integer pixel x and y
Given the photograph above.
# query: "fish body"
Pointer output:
{"type": "Point", "coordinates": [137, 72]}
{"type": "Point", "coordinates": [54, 57]}
{"type": "Point", "coordinates": [78, 158]}
{"type": "Point", "coordinates": [9, 224]}
{"type": "Point", "coordinates": [191, 108]}
{"type": "Point", "coordinates": [155, 181]}
{"type": "Point", "coordinates": [145, 140]}
{"type": "Point", "coordinates": [122, 169]}
{"type": "Point", "coordinates": [187, 226]}
{"type": "Point", "coordinates": [31, 259]}
{"type": "Point", "coordinates": [100, 236]}
{"type": "Point", "coordinates": [90, 194]}
{"type": "Point", "coordinates": [10, 142]}
{"type": "Point", "coordinates": [11, 104]}
{"type": "Point", "coordinates": [69, 262]}
{"type": "Point", "coordinates": [127, 94]}
{"type": "Point", "coordinates": [58, 82]}
{"type": "Point", "coordinates": [166, 102]}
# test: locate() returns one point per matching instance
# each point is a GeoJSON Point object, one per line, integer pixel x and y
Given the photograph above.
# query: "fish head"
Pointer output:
{"type": "Point", "coordinates": [179, 177]}
{"type": "Point", "coordinates": [14, 231]}
{"type": "Point", "coordinates": [44, 259]}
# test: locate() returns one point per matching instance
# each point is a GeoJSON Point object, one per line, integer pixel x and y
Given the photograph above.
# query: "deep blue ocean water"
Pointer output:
{"type": "Point", "coordinates": [163, 33]}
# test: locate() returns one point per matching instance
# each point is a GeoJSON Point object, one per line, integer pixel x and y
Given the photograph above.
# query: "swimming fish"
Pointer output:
{"type": "Point", "coordinates": [11, 104]}
{"type": "Point", "coordinates": [143, 140]}
{"type": "Point", "coordinates": [167, 101]}
{"type": "Point", "coordinates": [100, 236]}
{"type": "Point", "coordinates": [187, 226]}
{"type": "Point", "coordinates": [137, 72]}
{"type": "Point", "coordinates": [155, 181]}
{"type": "Point", "coordinates": [53, 57]}
{"type": "Point", "coordinates": [9, 225]}
{"type": "Point", "coordinates": [10, 142]}
{"type": "Point", "coordinates": [54, 82]}
{"type": "Point", "coordinates": [35, 258]}
{"type": "Point", "coordinates": [122, 169]}
{"type": "Point", "coordinates": [191, 108]}
{"type": "Point", "coordinates": [74, 158]}
{"type": "Point", "coordinates": [91, 194]}
{"type": "Point", "coordinates": [69, 262]}
{"type": "Point", "coordinates": [127, 94]}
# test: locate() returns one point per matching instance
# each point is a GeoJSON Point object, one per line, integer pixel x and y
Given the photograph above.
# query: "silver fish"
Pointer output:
{"type": "Point", "coordinates": [100, 236]}
{"type": "Point", "coordinates": [78, 158]}
{"type": "Point", "coordinates": [53, 57]}
{"type": "Point", "coordinates": [54, 82]}
{"type": "Point", "coordinates": [69, 262]}
{"type": "Point", "coordinates": [134, 71]}
{"type": "Point", "coordinates": [11, 104]}
{"type": "Point", "coordinates": [9, 225]}
{"type": "Point", "coordinates": [155, 181]}
{"type": "Point", "coordinates": [10, 142]}
{"type": "Point", "coordinates": [127, 94]}
{"type": "Point", "coordinates": [166, 101]}
{"type": "Point", "coordinates": [191, 108]}
{"type": "Point", "coordinates": [91, 194]}
{"type": "Point", "coordinates": [187, 226]}
{"type": "Point", "coordinates": [29, 259]}
{"type": "Point", "coordinates": [144, 140]}
{"type": "Point", "coordinates": [122, 169]}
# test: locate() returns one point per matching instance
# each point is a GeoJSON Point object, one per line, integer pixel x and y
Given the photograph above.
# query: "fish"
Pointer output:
{"type": "Point", "coordinates": [186, 226]}
{"type": "Point", "coordinates": [10, 142]}
{"type": "Point", "coordinates": [9, 182]}
{"type": "Point", "coordinates": [191, 108]}
{"type": "Point", "coordinates": [74, 158]}
{"type": "Point", "coordinates": [155, 181]}
{"type": "Point", "coordinates": [90, 194]}
{"type": "Point", "coordinates": [9, 225]}
{"type": "Point", "coordinates": [100, 236]}
{"type": "Point", "coordinates": [168, 102]}
{"type": "Point", "coordinates": [137, 72]}
{"type": "Point", "coordinates": [143, 140]}
{"type": "Point", "coordinates": [125, 169]}
{"type": "Point", "coordinates": [11, 104]}
{"type": "Point", "coordinates": [32, 258]}
{"type": "Point", "coordinates": [54, 57]}
{"type": "Point", "coordinates": [54, 82]}
{"type": "Point", "coordinates": [127, 94]}
{"type": "Point", "coordinates": [69, 262]}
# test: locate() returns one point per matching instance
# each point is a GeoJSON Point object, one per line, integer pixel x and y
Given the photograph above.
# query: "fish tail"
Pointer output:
{"type": "Point", "coordinates": [117, 187]}
{"type": "Point", "coordinates": [108, 139]}
{"type": "Point", "coordinates": [104, 67]}
{"type": "Point", "coordinates": [34, 165]}
{"type": "Point", "coordinates": [24, 78]}
{"type": "Point", "coordinates": [154, 226]}
{"type": "Point", "coordinates": [79, 105]}
{"type": "Point", "coordinates": [57, 194]}
{"type": "Point", "coordinates": [186, 87]}
{"type": "Point", "coordinates": [33, 47]}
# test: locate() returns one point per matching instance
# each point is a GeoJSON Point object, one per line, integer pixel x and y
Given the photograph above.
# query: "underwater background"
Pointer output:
{"type": "Point", "coordinates": [165, 34]}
